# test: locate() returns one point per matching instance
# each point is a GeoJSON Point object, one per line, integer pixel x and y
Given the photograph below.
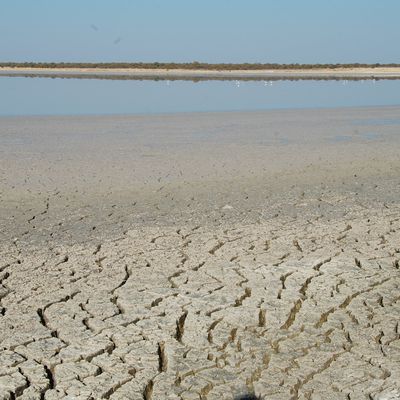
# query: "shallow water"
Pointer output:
{"type": "Point", "coordinates": [56, 96]}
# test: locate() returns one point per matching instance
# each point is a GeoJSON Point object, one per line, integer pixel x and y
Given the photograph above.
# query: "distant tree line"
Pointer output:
{"type": "Point", "coordinates": [195, 65]}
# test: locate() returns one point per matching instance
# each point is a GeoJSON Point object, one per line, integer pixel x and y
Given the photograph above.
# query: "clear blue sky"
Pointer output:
{"type": "Point", "coordinates": [204, 30]}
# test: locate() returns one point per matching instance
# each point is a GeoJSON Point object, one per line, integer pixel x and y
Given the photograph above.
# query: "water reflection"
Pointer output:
{"type": "Point", "coordinates": [44, 96]}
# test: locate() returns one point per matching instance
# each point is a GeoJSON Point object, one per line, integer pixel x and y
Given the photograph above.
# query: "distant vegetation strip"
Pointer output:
{"type": "Point", "coordinates": [192, 66]}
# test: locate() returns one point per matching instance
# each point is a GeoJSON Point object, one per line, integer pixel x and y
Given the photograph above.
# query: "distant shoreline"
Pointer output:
{"type": "Point", "coordinates": [195, 65]}
{"type": "Point", "coordinates": [213, 72]}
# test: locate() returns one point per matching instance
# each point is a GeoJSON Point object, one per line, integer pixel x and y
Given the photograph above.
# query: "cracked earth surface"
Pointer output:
{"type": "Point", "coordinates": [298, 300]}
{"type": "Point", "coordinates": [290, 309]}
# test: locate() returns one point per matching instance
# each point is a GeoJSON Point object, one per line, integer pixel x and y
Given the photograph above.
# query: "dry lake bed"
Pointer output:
{"type": "Point", "coordinates": [201, 255]}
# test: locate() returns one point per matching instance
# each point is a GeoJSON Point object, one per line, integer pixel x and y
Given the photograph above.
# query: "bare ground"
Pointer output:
{"type": "Point", "coordinates": [292, 294]}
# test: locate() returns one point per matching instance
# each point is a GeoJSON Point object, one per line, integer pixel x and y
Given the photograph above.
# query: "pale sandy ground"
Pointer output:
{"type": "Point", "coordinates": [198, 256]}
{"type": "Point", "coordinates": [137, 73]}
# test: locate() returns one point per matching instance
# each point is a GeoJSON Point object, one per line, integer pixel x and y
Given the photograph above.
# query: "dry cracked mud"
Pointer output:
{"type": "Point", "coordinates": [292, 296]}
{"type": "Point", "coordinates": [289, 309]}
